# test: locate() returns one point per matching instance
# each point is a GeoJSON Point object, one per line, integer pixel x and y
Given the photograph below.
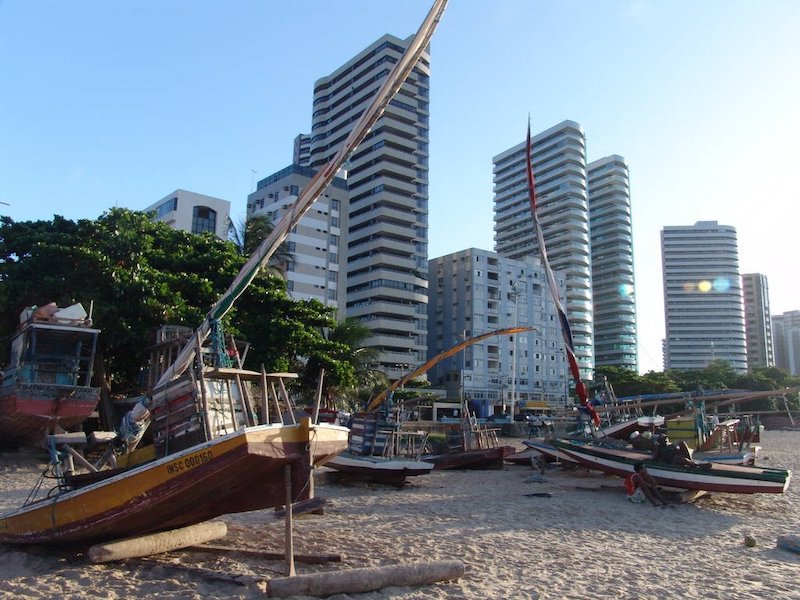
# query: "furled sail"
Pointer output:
{"type": "Point", "coordinates": [131, 426]}
{"type": "Point", "coordinates": [566, 331]}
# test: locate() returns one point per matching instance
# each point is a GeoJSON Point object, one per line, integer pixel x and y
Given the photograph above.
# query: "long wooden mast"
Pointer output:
{"type": "Point", "coordinates": [376, 401]}
{"type": "Point", "coordinates": [313, 189]}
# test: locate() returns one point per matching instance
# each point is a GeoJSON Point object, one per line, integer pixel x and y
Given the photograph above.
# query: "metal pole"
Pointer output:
{"type": "Point", "coordinates": [514, 354]}
{"type": "Point", "coordinates": [463, 368]}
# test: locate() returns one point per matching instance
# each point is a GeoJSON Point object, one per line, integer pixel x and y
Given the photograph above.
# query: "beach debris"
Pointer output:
{"type": "Point", "coordinates": [536, 479]}
{"type": "Point", "coordinates": [749, 541]}
{"type": "Point", "coordinates": [156, 543]}
{"type": "Point", "coordinates": [539, 495]}
{"type": "Point", "coordinates": [366, 579]}
{"type": "Point", "coordinates": [789, 542]}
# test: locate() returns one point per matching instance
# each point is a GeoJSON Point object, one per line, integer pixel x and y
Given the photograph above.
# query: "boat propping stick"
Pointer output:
{"type": "Point", "coordinates": [156, 543]}
{"type": "Point", "coordinates": [367, 579]}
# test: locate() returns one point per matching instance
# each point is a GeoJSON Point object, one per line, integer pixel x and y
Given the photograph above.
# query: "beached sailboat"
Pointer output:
{"type": "Point", "coordinates": [46, 387]}
{"type": "Point", "coordinates": [381, 452]}
{"type": "Point", "coordinates": [710, 477]}
{"type": "Point", "coordinates": [215, 448]}
{"type": "Point", "coordinates": [469, 445]}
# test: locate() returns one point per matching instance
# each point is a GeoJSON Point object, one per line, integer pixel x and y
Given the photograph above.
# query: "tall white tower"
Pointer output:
{"type": "Point", "coordinates": [612, 263]}
{"type": "Point", "coordinates": [387, 208]}
{"type": "Point", "coordinates": [559, 165]}
{"type": "Point", "coordinates": [703, 301]}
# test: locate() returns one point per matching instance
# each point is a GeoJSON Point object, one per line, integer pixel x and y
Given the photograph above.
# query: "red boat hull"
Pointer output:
{"type": "Point", "coordinates": [28, 412]}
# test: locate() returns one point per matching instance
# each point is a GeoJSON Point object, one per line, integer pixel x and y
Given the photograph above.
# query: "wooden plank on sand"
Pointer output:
{"type": "Point", "coordinates": [366, 579]}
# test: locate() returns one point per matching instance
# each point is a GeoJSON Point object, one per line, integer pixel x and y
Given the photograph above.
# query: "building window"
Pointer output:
{"type": "Point", "coordinates": [167, 207]}
{"type": "Point", "coordinates": [204, 219]}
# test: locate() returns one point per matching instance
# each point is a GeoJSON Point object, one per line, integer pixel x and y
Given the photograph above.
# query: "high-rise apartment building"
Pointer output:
{"type": "Point", "coordinates": [559, 165]}
{"type": "Point", "coordinates": [786, 333]}
{"type": "Point", "coordinates": [314, 245]}
{"type": "Point", "coordinates": [386, 251]}
{"type": "Point", "coordinates": [192, 212]}
{"type": "Point", "coordinates": [757, 322]}
{"type": "Point", "coordinates": [611, 243]}
{"type": "Point", "coordinates": [703, 301]}
{"type": "Point", "coordinates": [475, 291]}
{"type": "Point", "coordinates": [302, 150]}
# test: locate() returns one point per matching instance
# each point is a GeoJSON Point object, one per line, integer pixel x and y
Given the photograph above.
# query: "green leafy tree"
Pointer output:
{"type": "Point", "coordinates": [140, 275]}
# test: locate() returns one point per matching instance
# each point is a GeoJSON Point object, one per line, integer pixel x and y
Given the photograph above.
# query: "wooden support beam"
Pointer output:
{"type": "Point", "coordinates": [288, 536]}
{"type": "Point", "coordinates": [316, 559]}
{"type": "Point", "coordinates": [157, 543]}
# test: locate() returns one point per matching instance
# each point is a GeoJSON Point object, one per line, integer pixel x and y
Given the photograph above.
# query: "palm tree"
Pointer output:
{"type": "Point", "coordinates": [249, 234]}
{"type": "Point", "coordinates": [350, 336]}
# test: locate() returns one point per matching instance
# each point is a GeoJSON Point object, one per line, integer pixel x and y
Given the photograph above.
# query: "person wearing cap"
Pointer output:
{"type": "Point", "coordinates": [642, 442]}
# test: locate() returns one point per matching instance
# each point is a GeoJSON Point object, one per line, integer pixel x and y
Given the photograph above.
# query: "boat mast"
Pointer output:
{"type": "Point", "coordinates": [315, 187]}
{"type": "Point", "coordinates": [566, 331]}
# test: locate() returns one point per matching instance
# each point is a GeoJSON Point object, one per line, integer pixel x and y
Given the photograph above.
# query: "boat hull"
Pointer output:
{"type": "Point", "coordinates": [523, 457]}
{"type": "Point", "coordinates": [393, 471]}
{"type": "Point", "coordinates": [550, 452]}
{"type": "Point", "coordinates": [483, 458]}
{"type": "Point", "coordinates": [733, 479]}
{"type": "Point", "coordinates": [29, 411]}
{"type": "Point", "coordinates": [239, 472]}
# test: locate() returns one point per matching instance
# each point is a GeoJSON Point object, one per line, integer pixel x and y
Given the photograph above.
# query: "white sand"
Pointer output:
{"type": "Point", "coordinates": [575, 544]}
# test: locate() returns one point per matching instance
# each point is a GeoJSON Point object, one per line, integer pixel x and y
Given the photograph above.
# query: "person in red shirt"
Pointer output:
{"type": "Point", "coordinates": [640, 479]}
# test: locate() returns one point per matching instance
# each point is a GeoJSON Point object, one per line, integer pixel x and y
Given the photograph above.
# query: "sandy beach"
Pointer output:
{"type": "Point", "coordinates": [584, 540]}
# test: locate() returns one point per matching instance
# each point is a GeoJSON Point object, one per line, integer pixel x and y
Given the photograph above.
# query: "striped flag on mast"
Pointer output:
{"type": "Point", "coordinates": [566, 332]}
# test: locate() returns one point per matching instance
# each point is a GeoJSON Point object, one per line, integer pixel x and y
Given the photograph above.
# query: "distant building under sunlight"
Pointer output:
{"type": "Point", "coordinates": [786, 333]}
{"type": "Point", "coordinates": [611, 243]}
{"type": "Point", "coordinates": [192, 212]}
{"type": "Point", "coordinates": [315, 243]}
{"type": "Point", "coordinates": [758, 325]}
{"type": "Point", "coordinates": [475, 291]}
{"type": "Point", "coordinates": [703, 300]}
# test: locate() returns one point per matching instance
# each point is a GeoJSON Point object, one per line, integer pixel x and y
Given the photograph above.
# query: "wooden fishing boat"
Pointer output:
{"type": "Point", "coordinates": [220, 444]}
{"type": "Point", "coordinates": [478, 458]}
{"type": "Point", "coordinates": [236, 472]}
{"type": "Point", "coordinates": [380, 452]}
{"type": "Point", "coordinates": [622, 430]}
{"type": "Point", "coordinates": [471, 445]}
{"type": "Point", "coordinates": [525, 457]}
{"type": "Point", "coordinates": [46, 387]}
{"type": "Point", "coordinates": [710, 477]}
{"type": "Point", "coordinates": [378, 469]}
{"type": "Point", "coordinates": [548, 451]}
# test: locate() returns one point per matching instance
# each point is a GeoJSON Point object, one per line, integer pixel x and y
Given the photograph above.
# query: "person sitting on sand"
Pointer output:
{"type": "Point", "coordinates": [640, 479]}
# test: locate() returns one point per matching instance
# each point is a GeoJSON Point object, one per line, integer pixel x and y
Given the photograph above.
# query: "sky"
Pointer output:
{"type": "Point", "coordinates": [107, 104]}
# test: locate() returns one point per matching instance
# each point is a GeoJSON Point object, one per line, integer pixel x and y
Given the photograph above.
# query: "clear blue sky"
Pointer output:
{"type": "Point", "coordinates": [119, 103]}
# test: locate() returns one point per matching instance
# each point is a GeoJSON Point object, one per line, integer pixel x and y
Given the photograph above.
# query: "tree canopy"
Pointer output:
{"type": "Point", "coordinates": [718, 375]}
{"type": "Point", "coordinates": [138, 275]}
